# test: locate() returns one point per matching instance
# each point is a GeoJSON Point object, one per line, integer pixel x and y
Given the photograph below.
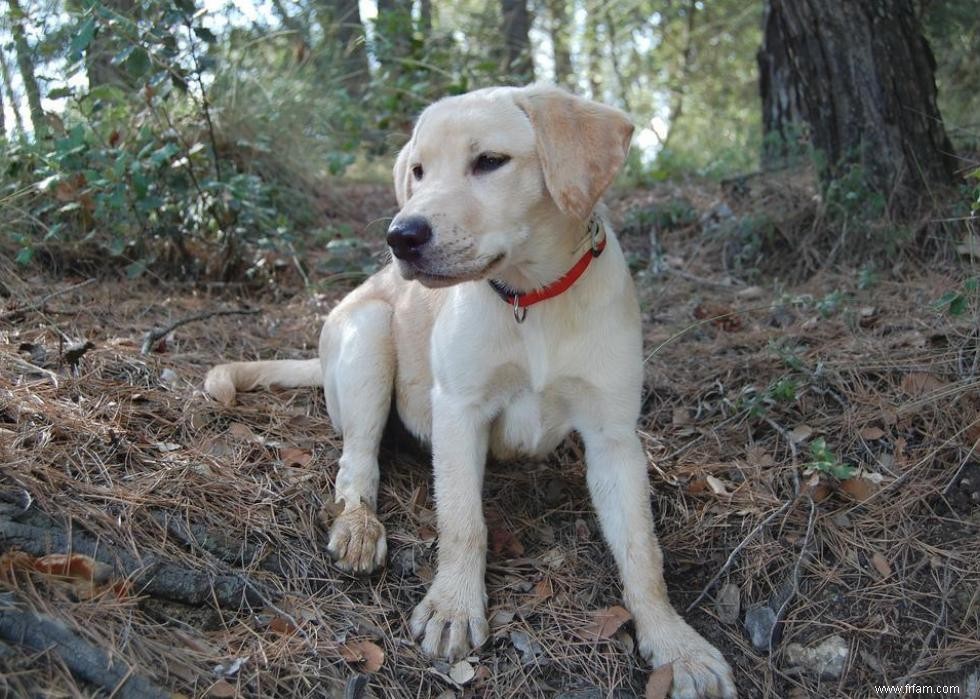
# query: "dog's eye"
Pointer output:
{"type": "Point", "coordinates": [417, 171]}
{"type": "Point", "coordinates": [488, 162]}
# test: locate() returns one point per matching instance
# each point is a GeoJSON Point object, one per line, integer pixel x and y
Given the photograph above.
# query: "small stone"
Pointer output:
{"type": "Point", "coordinates": [462, 672]}
{"type": "Point", "coordinates": [758, 624]}
{"type": "Point", "coordinates": [841, 520]}
{"type": "Point", "coordinates": [825, 660]}
{"type": "Point", "coordinates": [728, 604]}
{"type": "Point", "coordinates": [168, 377]}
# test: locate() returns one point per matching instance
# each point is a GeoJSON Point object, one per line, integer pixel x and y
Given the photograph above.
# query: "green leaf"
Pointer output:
{"type": "Point", "coordinates": [82, 38]}
{"type": "Point", "coordinates": [205, 34]}
{"type": "Point", "coordinates": [957, 305]}
{"type": "Point", "coordinates": [59, 92]}
{"type": "Point", "coordinates": [135, 269]}
{"type": "Point", "coordinates": [24, 255]}
{"type": "Point", "coordinates": [138, 63]}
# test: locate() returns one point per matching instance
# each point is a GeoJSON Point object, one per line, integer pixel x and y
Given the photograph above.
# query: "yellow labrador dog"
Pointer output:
{"type": "Point", "coordinates": [507, 319]}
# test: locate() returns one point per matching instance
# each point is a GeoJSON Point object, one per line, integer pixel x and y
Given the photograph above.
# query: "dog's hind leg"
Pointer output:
{"type": "Point", "coordinates": [358, 356]}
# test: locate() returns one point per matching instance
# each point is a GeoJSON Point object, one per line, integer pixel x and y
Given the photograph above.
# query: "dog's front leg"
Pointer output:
{"type": "Point", "coordinates": [452, 618]}
{"type": "Point", "coordinates": [617, 478]}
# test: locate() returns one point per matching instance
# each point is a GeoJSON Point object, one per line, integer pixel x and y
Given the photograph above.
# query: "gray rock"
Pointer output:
{"type": "Point", "coordinates": [825, 660]}
{"type": "Point", "coordinates": [758, 624]}
{"type": "Point", "coordinates": [728, 603]}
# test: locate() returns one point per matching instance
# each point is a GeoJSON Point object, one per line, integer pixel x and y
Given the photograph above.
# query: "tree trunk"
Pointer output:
{"type": "Point", "coordinates": [25, 61]}
{"type": "Point", "coordinates": [517, 61]}
{"type": "Point", "coordinates": [558, 31]}
{"type": "Point", "coordinates": [9, 89]}
{"type": "Point", "coordinates": [425, 18]}
{"type": "Point", "coordinates": [860, 76]}
{"type": "Point", "coordinates": [343, 32]}
{"type": "Point", "coordinates": [594, 52]}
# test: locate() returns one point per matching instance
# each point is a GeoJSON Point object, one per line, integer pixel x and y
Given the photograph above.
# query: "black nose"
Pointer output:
{"type": "Point", "coordinates": [407, 237]}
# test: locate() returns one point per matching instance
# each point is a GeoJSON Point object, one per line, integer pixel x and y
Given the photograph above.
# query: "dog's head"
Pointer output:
{"type": "Point", "coordinates": [484, 169]}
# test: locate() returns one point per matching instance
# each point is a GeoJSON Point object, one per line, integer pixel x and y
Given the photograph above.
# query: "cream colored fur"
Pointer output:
{"type": "Point", "coordinates": [468, 379]}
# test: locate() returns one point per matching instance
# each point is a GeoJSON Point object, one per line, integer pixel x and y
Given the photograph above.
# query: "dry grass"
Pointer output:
{"type": "Point", "coordinates": [123, 457]}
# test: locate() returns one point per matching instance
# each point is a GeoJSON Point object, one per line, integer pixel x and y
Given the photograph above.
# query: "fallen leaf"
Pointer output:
{"type": "Point", "coordinates": [681, 416]}
{"type": "Point", "coordinates": [659, 682]}
{"type": "Point", "coordinates": [858, 488]}
{"type": "Point", "coordinates": [223, 690]}
{"type": "Point", "coordinates": [881, 564]}
{"type": "Point", "coordinates": [697, 486]}
{"type": "Point", "coordinates": [582, 532]}
{"type": "Point", "coordinates": [368, 656]}
{"type": "Point", "coordinates": [605, 623]}
{"type": "Point", "coordinates": [720, 316]}
{"type": "Point", "coordinates": [716, 485]}
{"type": "Point", "coordinates": [291, 456]}
{"type": "Point", "coordinates": [462, 672]}
{"type": "Point", "coordinates": [872, 433]}
{"type": "Point", "coordinates": [920, 383]}
{"type": "Point", "coordinates": [504, 543]}
{"type": "Point", "coordinates": [800, 433]}
{"type": "Point", "coordinates": [74, 566]}
{"type": "Point", "coordinates": [528, 647]}
{"type": "Point", "coordinates": [242, 432]}
{"type": "Point", "coordinates": [281, 625]}
{"type": "Point", "coordinates": [543, 590]}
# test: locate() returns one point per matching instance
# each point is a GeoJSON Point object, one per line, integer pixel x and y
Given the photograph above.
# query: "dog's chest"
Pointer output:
{"type": "Point", "coordinates": [540, 403]}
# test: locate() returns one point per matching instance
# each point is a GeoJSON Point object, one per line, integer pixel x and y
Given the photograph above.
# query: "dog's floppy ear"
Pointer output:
{"type": "Point", "coordinates": [581, 144]}
{"type": "Point", "coordinates": [401, 174]}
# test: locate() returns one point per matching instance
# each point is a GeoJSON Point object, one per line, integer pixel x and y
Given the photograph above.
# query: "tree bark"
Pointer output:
{"type": "Point", "coordinates": [425, 18]}
{"type": "Point", "coordinates": [860, 76]}
{"type": "Point", "coordinates": [25, 62]}
{"type": "Point", "coordinates": [517, 61]}
{"type": "Point", "coordinates": [9, 89]}
{"type": "Point", "coordinates": [340, 21]}
{"type": "Point", "coordinates": [558, 31]}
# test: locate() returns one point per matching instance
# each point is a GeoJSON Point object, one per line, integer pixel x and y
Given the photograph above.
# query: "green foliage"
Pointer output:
{"type": "Point", "coordinates": [962, 300]}
{"type": "Point", "coordinates": [822, 459]}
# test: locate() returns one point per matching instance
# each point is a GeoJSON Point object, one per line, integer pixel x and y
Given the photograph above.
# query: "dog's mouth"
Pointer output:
{"type": "Point", "coordinates": [437, 279]}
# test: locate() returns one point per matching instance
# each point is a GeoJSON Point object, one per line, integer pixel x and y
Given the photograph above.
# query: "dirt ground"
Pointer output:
{"type": "Point", "coordinates": [814, 468]}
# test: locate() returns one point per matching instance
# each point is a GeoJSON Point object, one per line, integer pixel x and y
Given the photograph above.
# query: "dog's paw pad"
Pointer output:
{"type": "Point", "coordinates": [447, 629]}
{"type": "Point", "coordinates": [357, 541]}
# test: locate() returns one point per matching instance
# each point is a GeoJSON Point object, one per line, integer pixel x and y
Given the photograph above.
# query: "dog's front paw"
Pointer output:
{"type": "Point", "coordinates": [449, 625]}
{"type": "Point", "coordinates": [357, 540]}
{"type": "Point", "coordinates": [699, 668]}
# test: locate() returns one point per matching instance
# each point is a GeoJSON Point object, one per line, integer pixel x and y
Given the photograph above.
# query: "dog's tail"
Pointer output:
{"type": "Point", "coordinates": [225, 380]}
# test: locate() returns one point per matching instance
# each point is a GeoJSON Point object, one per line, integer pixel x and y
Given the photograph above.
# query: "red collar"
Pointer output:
{"type": "Point", "coordinates": [521, 302]}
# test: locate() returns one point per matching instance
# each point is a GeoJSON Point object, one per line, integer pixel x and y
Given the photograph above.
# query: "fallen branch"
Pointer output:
{"type": "Point", "coordinates": [83, 659]}
{"type": "Point", "coordinates": [155, 334]}
{"type": "Point", "coordinates": [795, 579]}
{"type": "Point", "coordinates": [151, 576]}
{"type": "Point", "coordinates": [21, 310]}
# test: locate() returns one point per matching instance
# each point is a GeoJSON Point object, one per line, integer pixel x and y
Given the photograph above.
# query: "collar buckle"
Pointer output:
{"type": "Point", "coordinates": [594, 229]}
{"type": "Point", "coordinates": [520, 312]}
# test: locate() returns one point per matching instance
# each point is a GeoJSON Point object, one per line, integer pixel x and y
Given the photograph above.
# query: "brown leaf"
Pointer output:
{"type": "Point", "coordinates": [881, 564]}
{"type": "Point", "coordinates": [605, 623]}
{"type": "Point", "coordinates": [720, 316]}
{"type": "Point", "coordinates": [223, 690]}
{"type": "Point", "coordinates": [659, 682]}
{"type": "Point", "coordinates": [291, 456]}
{"type": "Point", "coordinates": [281, 625]}
{"type": "Point", "coordinates": [858, 488]}
{"type": "Point", "coordinates": [872, 433]}
{"type": "Point", "coordinates": [242, 432]}
{"type": "Point", "coordinates": [543, 590]}
{"type": "Point", "coordinates": [697, 486]}
{"type": "Point", "coordinates": [74, 566]}
{"type": "Point", "coordinates": [368, 656]}
{"type": "Point", "coordinates": [920, 383]}
{"type": "Point", "coordinates": [504, 543]}
{"type": "Point", "coordinates": [800, 433]}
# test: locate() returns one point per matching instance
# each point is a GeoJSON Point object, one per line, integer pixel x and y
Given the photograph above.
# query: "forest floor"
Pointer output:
{"type": "Point", "coordinates": [193, 558]}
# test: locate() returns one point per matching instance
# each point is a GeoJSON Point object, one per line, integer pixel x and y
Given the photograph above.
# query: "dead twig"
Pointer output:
{"type": "Point", "coordinates": [36, 305]}
{"type": "Point", "coordinates": [155, 334]}
{"type": "Point", "coordinates": [738, 549]}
